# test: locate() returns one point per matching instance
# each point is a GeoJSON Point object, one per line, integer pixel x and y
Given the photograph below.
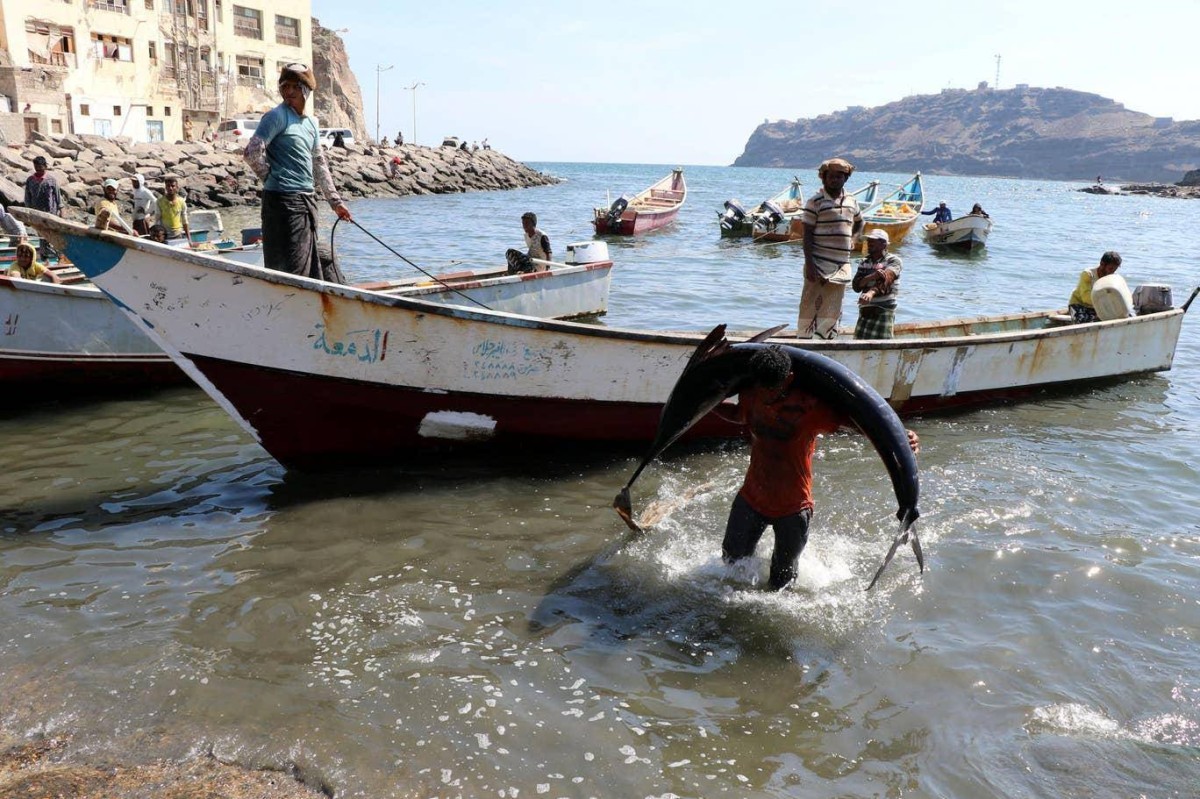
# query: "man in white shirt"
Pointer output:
{"type": "Point", "coordinates": [144, 203]}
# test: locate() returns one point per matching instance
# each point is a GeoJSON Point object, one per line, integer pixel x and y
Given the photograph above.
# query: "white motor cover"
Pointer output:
{"type": "Point", "coordinates": [587, 252]}
{"type": "Point", "coordinates": [1111, 298]}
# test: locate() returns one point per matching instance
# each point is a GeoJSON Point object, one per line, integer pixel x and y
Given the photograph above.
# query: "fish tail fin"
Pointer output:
{"type": "Point", "coordinates": [623, 505]}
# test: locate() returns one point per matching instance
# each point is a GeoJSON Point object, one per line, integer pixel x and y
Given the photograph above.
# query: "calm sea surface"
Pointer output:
{"type": "Point", "coordinates": [469, 629]}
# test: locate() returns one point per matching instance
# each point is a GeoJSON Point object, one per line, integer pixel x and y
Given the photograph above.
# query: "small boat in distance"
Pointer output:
{"type": "Point", "coordinates": [967, 233]}
{"type": "Point", "coordinates": [736, 222]}
{"type": "Point", "coordinates": [649, 209]}
{"type": "Point", "coordinates": [452, 378]}
{"type": "Point", "coordinates": [897, 213]}
{"type": "Point", "coordinates": [767, 233]}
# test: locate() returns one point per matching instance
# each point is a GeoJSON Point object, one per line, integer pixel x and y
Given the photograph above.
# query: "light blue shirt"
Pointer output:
{"type": "Point", "coordinates": [290, 139]}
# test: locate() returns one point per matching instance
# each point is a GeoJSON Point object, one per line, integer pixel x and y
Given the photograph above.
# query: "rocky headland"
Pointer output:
{"type": "Point", "coordinates": [1025, 132]}
{"type": "Point", "coordinates": [215, 176]}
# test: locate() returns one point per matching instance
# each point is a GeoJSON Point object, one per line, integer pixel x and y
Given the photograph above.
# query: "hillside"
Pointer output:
{"type": "Point", "coordinates": [1022, 132]}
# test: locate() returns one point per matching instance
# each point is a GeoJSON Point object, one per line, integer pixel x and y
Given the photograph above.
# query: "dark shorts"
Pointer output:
{"type": "Point", "coordinates": [1082, 314]}
{"type": "Point", "coordinates": [746, 526]}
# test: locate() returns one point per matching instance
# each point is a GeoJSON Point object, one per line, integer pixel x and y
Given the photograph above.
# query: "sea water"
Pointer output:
{"type": "Point", "coordinates": [483, 627]}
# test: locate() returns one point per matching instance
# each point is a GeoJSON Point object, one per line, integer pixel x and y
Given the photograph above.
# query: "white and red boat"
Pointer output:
{"type": "Point", "coordinates": [649, 209]}
{"type": "Point", "coordinates": [69, 337]}
{"type": "Point", "coordinates": [321, 373]}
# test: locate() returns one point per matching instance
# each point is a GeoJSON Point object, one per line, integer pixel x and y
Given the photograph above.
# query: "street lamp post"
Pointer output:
{"type": "Point", "coordinates": [379, 69]}
{"type": "Point", "coordinates": [413, 89]}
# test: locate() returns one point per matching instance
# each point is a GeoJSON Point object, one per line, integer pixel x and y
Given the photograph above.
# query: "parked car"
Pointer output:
{"type": "Point", "coordinates": [328, 134]}
{"type": "Point", "coordinates": [237, 131]}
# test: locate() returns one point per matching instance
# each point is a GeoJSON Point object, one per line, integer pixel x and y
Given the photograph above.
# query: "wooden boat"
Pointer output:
{"type": "Point", "coordinates": [736, 222]}
{"type": "Point", "coordinates": [384, 377]}
{"type": "Point", "coordinates": [70, 336]}
{"type": "Point", "coordinates": [896, 213]}
{"type": "Point", "coordinates": [650, 209]}
{"type": "Point", "coordinates": [965, 233]}
{"type": "Point", "coordinates": [768, 233]}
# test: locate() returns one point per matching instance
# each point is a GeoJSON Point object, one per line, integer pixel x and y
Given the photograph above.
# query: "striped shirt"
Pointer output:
{"type": "Point", "coordinates": [832, 221]}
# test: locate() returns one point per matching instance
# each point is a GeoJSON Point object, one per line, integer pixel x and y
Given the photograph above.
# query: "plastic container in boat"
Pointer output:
{"type": "Point", "coordinates": [1111, 298]}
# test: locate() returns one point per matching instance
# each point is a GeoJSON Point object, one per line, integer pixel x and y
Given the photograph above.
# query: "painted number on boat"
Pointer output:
{"type": "Point", "coordinates": [503, 360]}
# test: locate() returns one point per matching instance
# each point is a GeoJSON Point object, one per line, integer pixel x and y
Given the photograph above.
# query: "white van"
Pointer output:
{"type": "Point", "coordinates": [237, 131]}
{"type": "Point", "coordinates": [327, 135]}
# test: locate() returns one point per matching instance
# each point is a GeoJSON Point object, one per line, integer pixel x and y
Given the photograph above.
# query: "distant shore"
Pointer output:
{"type": "Point", "coordinates": [213, 175]}
{"type": "Point", "coordinates": [1156, 189]}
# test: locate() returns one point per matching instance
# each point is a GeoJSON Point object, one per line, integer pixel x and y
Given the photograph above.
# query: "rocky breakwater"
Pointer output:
{"type": "Point", "coordinates": [215, 176]}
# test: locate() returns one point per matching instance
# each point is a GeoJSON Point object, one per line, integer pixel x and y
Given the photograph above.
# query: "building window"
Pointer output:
{"type": "Point", "coordinates": [250, 71]}
{"type": "Point", "coordinates": [149, 110]}
{"type": "Point", "coordinates": [247, 22]}
{"type": "Point", "coordinates": [149, 5]}
{"type": "Point", "coordinates": [84, 110]}
{"type": "Point", "coordinates": [153, 52]}
{"type": "Point", "coordinates": [56, 126]}
{"type": "Point", "coordinates": [49, 43]}
{"type": "Point", "coordinates": [120, 6]}
{"type": "Point", "coordinates": [112, 48]}
{"type": "Point", "coordinates": [166, 110]}
{"type": "Point", "coordinates": [287, 30]}
{"type": "Point", "coordinates": [220, 11]}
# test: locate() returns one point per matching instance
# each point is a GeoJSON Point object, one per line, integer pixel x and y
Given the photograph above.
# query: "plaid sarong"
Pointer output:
{"type": "Point", "coordinates": [875, 322]}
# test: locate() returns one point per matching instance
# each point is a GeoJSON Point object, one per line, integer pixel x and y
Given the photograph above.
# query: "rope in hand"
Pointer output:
{"type": "Point", "coordinates": [435, 278]}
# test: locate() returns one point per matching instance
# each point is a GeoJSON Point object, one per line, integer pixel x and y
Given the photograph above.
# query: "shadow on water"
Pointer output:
{"type": "Point", "coordinates": [959, 256]}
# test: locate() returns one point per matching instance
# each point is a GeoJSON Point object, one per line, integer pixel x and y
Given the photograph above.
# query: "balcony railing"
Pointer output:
{"type": "Point", "coordinates": [287, 38]}
{"type": "Point", "coordinates": [250, 80]}
{"type": "Point", "coordinates": [251, 30]}
{"type": "Point", "coordinates": [120, 6]}
{"type": "Point", "coordinates": [53, 59]}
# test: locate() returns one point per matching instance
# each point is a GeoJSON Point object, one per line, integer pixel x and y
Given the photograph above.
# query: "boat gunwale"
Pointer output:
{"type": "Point", "coordinates": [63, 227]}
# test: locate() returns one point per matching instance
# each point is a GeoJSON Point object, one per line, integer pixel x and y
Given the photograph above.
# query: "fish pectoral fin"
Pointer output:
{"type": "Point", "coordinates": [623, 505]}
{"type": "Point", "coordinates": [766, 334]}
{"type": "Point", "coordinates": [916, 548]}
{"type": "Point", "coordinates": [714, 344]}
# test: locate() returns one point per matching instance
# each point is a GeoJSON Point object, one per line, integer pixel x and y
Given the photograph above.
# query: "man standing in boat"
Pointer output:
{"type": "Point", "coordinates": [940, 214]}
{"type": "Point", "coordinates": [832, 221]}
{"type": "Point", "coordinates": [875, 281]}
{"type": "Point", "coordinates": [285, 152]}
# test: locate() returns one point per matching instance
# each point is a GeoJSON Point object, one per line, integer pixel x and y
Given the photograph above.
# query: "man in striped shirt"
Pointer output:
{"type": "Point", "coordinates": [832, 222]}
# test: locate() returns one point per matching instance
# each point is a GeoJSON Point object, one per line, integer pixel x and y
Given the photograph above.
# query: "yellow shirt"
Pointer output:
{"type": "Point", "coordinates": [34, 272]}
{"type": "Point", "coordinates": [105, 211]}
{"type": "Point", "coordinates": [172, 215]}
{"type": "Point", "coordinates": [1082, 295]}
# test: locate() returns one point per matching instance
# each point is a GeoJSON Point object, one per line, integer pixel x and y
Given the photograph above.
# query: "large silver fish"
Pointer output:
{"type": "Point", "coordinates": [717, 370]}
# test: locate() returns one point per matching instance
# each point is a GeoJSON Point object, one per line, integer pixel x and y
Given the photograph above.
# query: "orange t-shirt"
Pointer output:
{"type": "Point", "coordinates": [783, 437]}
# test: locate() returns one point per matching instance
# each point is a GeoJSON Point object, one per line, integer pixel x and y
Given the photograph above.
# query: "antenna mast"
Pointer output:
{"type": "Point", "coordinates": [997, 70]}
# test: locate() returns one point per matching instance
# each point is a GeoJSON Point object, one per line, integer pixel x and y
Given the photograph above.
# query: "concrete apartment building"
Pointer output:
{"type": "Point", "coordinates": [139, 68]}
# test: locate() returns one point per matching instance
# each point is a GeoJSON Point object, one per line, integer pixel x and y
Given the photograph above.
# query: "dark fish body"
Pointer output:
{"type": "Point", "coordinates": [718, 370]}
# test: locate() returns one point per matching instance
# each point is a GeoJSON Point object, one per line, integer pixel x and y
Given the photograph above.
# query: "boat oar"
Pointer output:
{"type": "Point", "coordinates": [385, 245]}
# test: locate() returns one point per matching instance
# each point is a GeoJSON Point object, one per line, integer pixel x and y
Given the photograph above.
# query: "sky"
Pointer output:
{"type": "Point", "coordinates": [687, 83]}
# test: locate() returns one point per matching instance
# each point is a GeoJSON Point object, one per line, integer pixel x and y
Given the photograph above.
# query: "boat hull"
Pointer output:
{"type": "Point", "coordinates": [632, 222]}
{"type": "Point", "coordinates": [387, 377]}
{"type": "Point", "coordinates": [964, 234]}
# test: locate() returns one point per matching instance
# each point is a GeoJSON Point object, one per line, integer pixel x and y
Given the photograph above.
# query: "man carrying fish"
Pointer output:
{"type": "Point", "coordinates": [784, 426]}
{"type": "Point", "coordinates": [787, 398]}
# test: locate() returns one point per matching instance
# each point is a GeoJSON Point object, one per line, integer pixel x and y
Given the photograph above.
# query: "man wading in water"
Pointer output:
{"type": "Point", "coordinates": [285, 152]}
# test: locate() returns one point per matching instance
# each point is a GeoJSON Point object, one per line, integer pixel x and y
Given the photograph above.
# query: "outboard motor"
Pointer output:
{"type": "Point", "coordinates": [734, 213]}
{"type": "Point", "coordinates": [616, 209]}
{"type": "Point", "coordinates": [769, 215]}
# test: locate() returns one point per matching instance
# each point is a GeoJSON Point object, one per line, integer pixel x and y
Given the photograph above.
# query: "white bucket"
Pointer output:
{"type": "Point", "coordinates": [1111, 298]}
{"type": "Point", "coordinates": [587, 252]}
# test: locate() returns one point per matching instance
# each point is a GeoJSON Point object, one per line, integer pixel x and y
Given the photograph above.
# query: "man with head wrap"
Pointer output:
{"type": "Point", "coordinates": [285, 152]}
{"type": "Point", "coordinates": [832, 221]}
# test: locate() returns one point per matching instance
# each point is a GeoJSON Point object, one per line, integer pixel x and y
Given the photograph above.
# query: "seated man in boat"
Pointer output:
{"type": "Point", "coordinates": [158, 233]}
{"type": "Point", "coordinates": [27, 266]}
{"type": "Point", "coordinates": [876, 281]}
{"type": "Point", "coordinates": [108, 214]}
{"type": "Point", "coordinates": [977, 210]}
{"type": "Point", "coordinates": [940, 214]}
{"type": "Point", "coordinates": [173, 211]}
{"type": "Point", "coordinates": [538, 244]}
{"type": "Point", "coordinates": [1080, 304]}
